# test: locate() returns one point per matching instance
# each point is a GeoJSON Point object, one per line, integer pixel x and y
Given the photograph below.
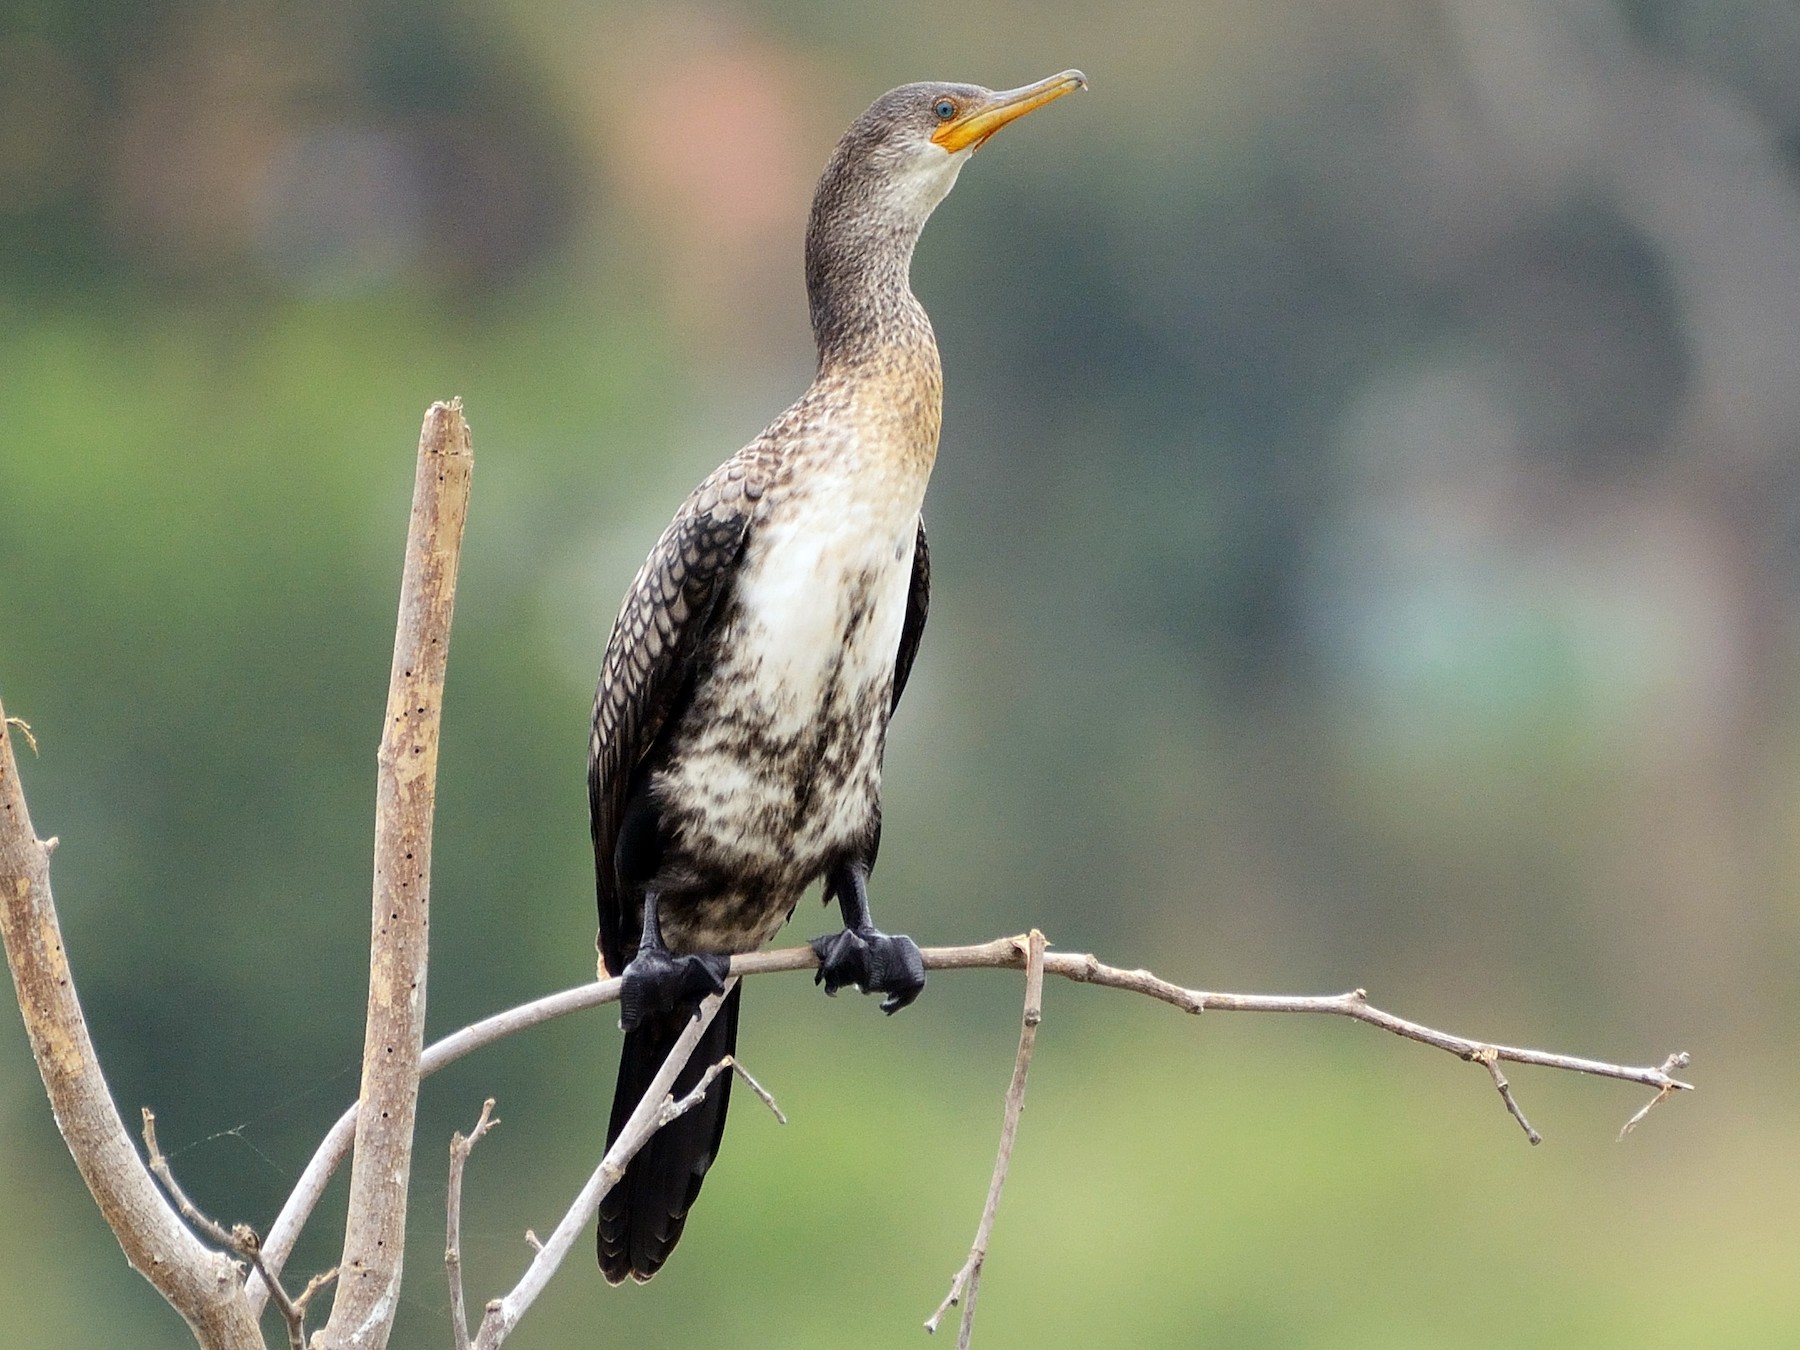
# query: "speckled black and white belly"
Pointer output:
{"type": "Point", "coordinates": [774, 767]}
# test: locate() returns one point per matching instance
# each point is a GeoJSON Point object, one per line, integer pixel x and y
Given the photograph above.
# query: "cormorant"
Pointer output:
{"type": "Point", "coordinates": [744, 697]}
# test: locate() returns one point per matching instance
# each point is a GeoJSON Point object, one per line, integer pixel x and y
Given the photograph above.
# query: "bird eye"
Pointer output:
{"type": "Point", "coordinates": [945, 109]}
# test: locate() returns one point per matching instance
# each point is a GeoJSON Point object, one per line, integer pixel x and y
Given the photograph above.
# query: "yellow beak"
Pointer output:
{"type": "Point", "coordinates": [976, 125]}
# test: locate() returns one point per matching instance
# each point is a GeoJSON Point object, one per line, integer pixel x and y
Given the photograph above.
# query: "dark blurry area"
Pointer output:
{"type": "Point", "coordinates": [1367, 551]}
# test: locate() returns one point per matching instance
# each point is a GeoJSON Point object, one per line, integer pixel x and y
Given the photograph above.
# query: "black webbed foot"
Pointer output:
{"type": "Point", "coordinates": [873, 963]}
{"type": "Point", "coordinates": [657, 982]}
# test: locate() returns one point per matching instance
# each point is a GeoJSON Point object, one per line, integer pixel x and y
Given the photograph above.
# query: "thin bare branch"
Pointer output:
{"type": "Point", "coordinates": [240, 1238]}
{"type": "Point", "coordinates": [1005, 953]}
{"type": "Point", "coordinates": [313, 1286]}
{"type": "Point", "coordinates": [967, 1282]}
{"type": "Point", "coordinates": [672, 1109]}
{"type": "Point", "coordinates": [1487, 1058]}
{"type": "Point", "coordinates": [1084, 968]}
{"type": "Point", "coordinates": [762, 1093]}
{"type": "Point", "coordinates": [461, 1146]}
{"type": "Point", "coordinates": [362, 1314]}
{"type": "Point", "coordinates": [199, 1283]}
{"type": "Point", "coordinates": [159, 1167]}
{"type": "Point", "coordinates": [652, 1113]}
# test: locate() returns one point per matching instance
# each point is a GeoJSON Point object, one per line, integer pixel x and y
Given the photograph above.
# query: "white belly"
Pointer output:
{"type": "Point", "coordinates": [824, 597]}
{"type": "Point", "coordinates": [806, 666]}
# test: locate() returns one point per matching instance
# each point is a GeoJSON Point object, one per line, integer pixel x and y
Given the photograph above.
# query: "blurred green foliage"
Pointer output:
{"type": "Point", "coordinates": [1366, 554]}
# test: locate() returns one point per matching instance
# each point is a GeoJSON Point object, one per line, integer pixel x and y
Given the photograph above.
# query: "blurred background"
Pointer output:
{"type": "Point", "coordinates": [1367, 550]}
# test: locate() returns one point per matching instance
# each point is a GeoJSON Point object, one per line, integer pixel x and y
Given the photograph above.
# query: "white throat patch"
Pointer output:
{"type": "Point", "coordinates": [926, 179]}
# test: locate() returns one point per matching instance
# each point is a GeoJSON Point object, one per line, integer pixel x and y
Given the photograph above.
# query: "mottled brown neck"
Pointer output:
{"type": "Point", "coordinates": [858, 263]}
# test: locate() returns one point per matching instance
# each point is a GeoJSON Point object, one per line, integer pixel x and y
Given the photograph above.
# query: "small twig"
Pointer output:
{"type": "Point", "coordinates": [25, 727]}
{"type": "Point", "coordinates": [159, 1167]}
{"type": "Point", "coordinates": [239, 1238]}
{"type": "Point", "coordinates": [461, 1146]}
{"type": "Point", "coordinates": [967, 1282]}
{"type": "Point", "coordinates": [313, 1286]}
{"type": "Point", "coordinates": [762, 1093]}
{"type": "Point", "coordinates": [1488, 1058]}
{"type": "Point", "coordinates": [533, 1241]}
{"type": "Point", "coordinates": [673, 1109]}
{"type": "Point", "coordinates": [1641, 1112]}
{"type": "Point", "coordinates": [1679, 1060]}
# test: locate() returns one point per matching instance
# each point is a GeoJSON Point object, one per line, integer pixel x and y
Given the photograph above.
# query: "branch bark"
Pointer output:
{"type": "Point", "coordinates": [362, 1314]}
{"type": "Point", "coordinates": [199, 1283]}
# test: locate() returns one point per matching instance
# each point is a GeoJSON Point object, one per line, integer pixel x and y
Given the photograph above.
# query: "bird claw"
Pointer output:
{"type": "Point", "coordinates": [871, 962]}
{"type": "Point", "coordinates": [656, 982]}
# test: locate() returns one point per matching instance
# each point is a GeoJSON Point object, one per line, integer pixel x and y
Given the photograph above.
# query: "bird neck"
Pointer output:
{"type": "Point", "coordinates": [878, 357]}
{"type": "Point", "coordinates": [858, 282]}
{"type": "Point", "coordinates": [859, 290]}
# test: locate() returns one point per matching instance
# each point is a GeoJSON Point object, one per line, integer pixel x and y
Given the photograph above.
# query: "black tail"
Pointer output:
{"type": "Point", "coordinates": [641, 1218]}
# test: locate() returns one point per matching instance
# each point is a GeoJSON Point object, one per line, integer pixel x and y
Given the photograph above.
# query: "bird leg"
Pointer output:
{"type": "Point", "coordinates": [656, 981]}
{"type": "Point", "coordinates": [862, 955]}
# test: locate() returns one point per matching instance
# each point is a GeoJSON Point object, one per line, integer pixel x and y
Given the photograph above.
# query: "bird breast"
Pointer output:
{"type": "Point", "coordinates": [778, 763]}
{"type": "Point", "coordinates": [823, 597]}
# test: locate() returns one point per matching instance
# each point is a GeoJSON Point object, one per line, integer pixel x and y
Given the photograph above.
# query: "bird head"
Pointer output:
{"type": "Point", "coordinates": [961, 117]}
{"type": "Point", "coordinates": [904, 152]}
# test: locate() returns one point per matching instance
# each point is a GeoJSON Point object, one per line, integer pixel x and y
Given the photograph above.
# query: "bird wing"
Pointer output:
{"type": "Point", "coordinates": [665, 616]}
{"type": "Point", "coordinates": [918, 603]}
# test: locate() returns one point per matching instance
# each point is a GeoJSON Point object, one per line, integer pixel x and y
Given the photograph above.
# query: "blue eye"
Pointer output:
{"type": "Point", "coordinates": [945, 110]}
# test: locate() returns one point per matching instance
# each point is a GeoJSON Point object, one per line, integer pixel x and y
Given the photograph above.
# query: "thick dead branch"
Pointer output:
{"type": "Point", "coordinates": [652, 1113]}
{"type": "Point", "coordinates": [1002, 954]}
{"type": "Point", "coordinates": [461, 1146]}
{"type": "Point", "coordinates": [362, 1314]}
{"type": "Point", "coordinates": [198, 1282]}
{"type": "Point", "coordinates": [967, 1281]}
